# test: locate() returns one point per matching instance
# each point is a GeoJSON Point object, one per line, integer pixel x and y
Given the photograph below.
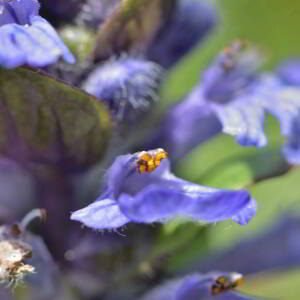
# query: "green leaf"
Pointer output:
{"type": "Point", "coordinates": [274, 197]}
{"type": "Point", "coordinates": [175, 235]}
{"type": "Point", "coordinates": [277, 36]}
{"type": "Point", "coordinates": [79, 40]}
{"type": "Point", "coordinates": [222, 163]}
{"type": "Point", "coordinates": [243, 171]}
{"type": "Point", "coordinates": [283, 285]}
{"type": "Point", "coordinates": [46, 121]}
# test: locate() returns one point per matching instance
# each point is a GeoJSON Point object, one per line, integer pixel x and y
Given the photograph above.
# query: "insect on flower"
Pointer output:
{"type": "Point", "coordinates": [227, 282]}
{"type": "Point", "coordinates": [148, 161]}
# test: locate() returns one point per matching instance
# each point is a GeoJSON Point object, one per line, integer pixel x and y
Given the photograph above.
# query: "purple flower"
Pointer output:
{"type": "Point", "coordinates": [283, 102]}
{"type": "Point", "coordinates": [200, 287]}
{"type": "Point", "coordinates": [289, 71]}
{"type": "Point", "coordinates": [141, 188]}
{"type": "Point", "coordinates": [190, 22]}
{"type": "Point", "coordinates": [279, 95]}
{"type": "Point", "coordinates": [291, 149]}
{"type": "Point", "coordinates": [129, 86]}
{"type": "Point", "coordinates": [222, 101]}
{"type": "Point", "coordinates": [27, 38]}
{"type": "Point", "coordinates": [289, 112]}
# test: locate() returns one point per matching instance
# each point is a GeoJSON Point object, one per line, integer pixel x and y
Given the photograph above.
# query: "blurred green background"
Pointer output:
{"type": "Point", "coordinates": [273, 26]}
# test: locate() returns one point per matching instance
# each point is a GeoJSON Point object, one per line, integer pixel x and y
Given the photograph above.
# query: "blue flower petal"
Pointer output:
{"type": "Point", "coordinates": [193, 286]}
{"type": "Point", "coordinates": [243, 118]}
{"type": "Point", "coordinates": [157, 203]}
{"type": "Point", "coordinates": [231, 295]}
{"type": "Point", "coordinates": [232, 73]}
{"type": "Point", "coordinates": [50, 39]}
{"type": "Point", "coordinates": [158, 196]}
{"type": "Point", "coordinates": [102, 214]}
{"type": "Point", "coordinates": [18, 11]}
{"type": "Point", "coordinates": [10, 55]}
{"type": "Point", "coordinates": [291, 149]}
{"type": "Point", "coordinates": [289, 72]}
{"type": "Point", "coordinates": [35, 42]}
{"type": "Point", "coordinates": [129, 86]}
{"type": "Point", "coordinates": [246, 214]}
{"type": "Point", "coordinates": [283, 102]}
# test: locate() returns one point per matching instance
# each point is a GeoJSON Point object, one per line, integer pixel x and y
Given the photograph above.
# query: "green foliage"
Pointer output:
{"type": "Point", "coordinates": [283, 285]}
{"type": "Point", "coordinates": [274, 197]}
{"type": "Point", "coordinates": [271, 25]}
{"type": "Point", "coordinates": [222, 163]}
{"type": "Point", "coordinates": [45, 120]}
{"type": "Point", "coordinates": [79, 40]}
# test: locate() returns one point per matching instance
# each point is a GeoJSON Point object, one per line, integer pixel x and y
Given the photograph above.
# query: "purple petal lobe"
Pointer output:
{"type": "Point", "coordinates": [128, 86]}
{"type": "Point", "coordinates": [193, 286]}
{"type": "Point", "coordinates": [117, 173]}
{"type": "Point", "coordinates": [291, 149]}
{"type": "Point", "coordinates": [47, 37]}
{"type": "Point", "coordinates": [18, 11]}
{"type": "Point", "coordinates": [283, 102]}
{"type": "Point", "coordinates": [231, 74]}
{"type": "Point", "coordinates": [289, 72]}
{"type": "Point", "coordinates": [244, 119]}
{"type": "Point", "coordinates": [158, 203]}
{"type": "Point", "coordinates": [26, 38]}
{"type": "Point", "coordinates": [102, 214]}
{"type": "Point", "coordinates": [158, 195]}
{"type": "Point", "coordinates": [246, 214]}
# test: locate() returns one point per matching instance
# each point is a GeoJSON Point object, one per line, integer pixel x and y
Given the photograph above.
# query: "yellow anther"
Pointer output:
{"type": "Point", "coordinates": [161, 154]}
{"type": "Point", "coordinates": [142, 169]}
{"type": "Point", "coordinates": [149, 161]}
{"type": "Point", "coordinates": [157, 163]}
{"type": "Point", "coordinates": [221, 280]}
{"type": "Point", "coordinates": [225, 283]}
{"type": "Point", "coordinates": [145, 157]}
